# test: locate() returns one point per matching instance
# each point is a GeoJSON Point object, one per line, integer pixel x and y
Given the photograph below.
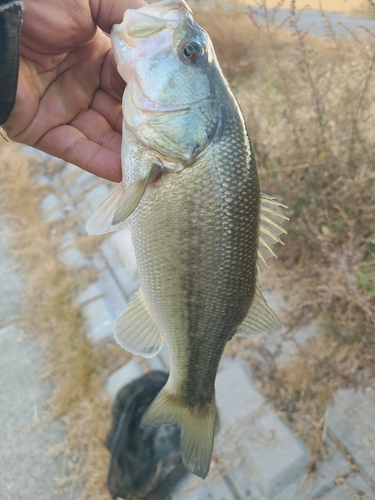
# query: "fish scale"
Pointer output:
{"type": "Point", "coordinates": [200, 225]}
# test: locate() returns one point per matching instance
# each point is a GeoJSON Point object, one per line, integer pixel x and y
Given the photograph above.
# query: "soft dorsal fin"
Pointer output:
{"type": "Point", "coordinates": [260, 317]}
{"type": "Point", "coordinates": [270, 229]}
{"type": "Point", "coordinates": [136, 330]}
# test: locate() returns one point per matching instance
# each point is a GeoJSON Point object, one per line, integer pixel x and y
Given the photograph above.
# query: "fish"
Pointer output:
{"type": "Point", "coordinates": [202, 230]}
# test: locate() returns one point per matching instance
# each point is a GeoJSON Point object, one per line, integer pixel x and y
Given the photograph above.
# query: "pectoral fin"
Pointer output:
{"type": "Point", "coordinates": [133, 195]}
{"type": "Point", "coordinates": [100, 221]}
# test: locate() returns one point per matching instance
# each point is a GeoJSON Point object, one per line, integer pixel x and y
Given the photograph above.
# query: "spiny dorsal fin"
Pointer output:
{"type": "Point", "coordinates": [269, 230]}
{"type": "Point", "coordinates": [136, 331]}
{"type": "Point", "coordinates": [260, 317]}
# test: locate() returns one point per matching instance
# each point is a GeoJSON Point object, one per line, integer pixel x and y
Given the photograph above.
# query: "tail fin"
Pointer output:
{"type": "Point", "coordinates": [197, 434]}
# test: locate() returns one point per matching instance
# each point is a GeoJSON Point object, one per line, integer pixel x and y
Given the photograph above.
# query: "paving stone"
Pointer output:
{"type": "Point", "coordinates": [84, 209]}
{"type": "Point", "coordinates": [79, 183]}
{"type": "Point", "coordinates": [122, 243]}
{"type": "Point", "coordinates": [336, 460]}
{"type": "Point", "coordinates": [236, 397]}
{"type": "Point", "coordinates": [51, 208]}
{"type": "Point", "coordinates": [214, 487]}
{"type": "Point", "coordinates": [252, 434]}
{"type": "Point", "coordinates": [69, 172]}
{"type": "Point", "coordinates": [39, 156]}
{"type": "Point", "coordinates": [164, 356]}
{"type": "Point", "coordinates": [238, 472]}
{"type": "Point", "coordinates": [72, 257]}
{"type": "Point", "coordinates": [112, 291]}
{"type": "Point", "coordinates": [338, 493]}
{"type": "Point", "coordinates": [288, 349]}
{"type": "Point", "coordinates": [357, 484]}
{"type": "Point", "coordinates": [44, 180]}
{"type": "Point", "coordinates": [276, 457]}
{"type": "Point", "coordinates": [351, 420]}
{"type": "Point", "coordinates": [92, 292]}
{"type": "Point", "coordinates": [27, 432]}
{"type": "Point", "coordinates": [306, 333]}
{"type": "Point", "coordinates": [275, 300]}
{"type": "Point", "coordinates": [123, 376]}
{"type": "Point", "coordinates": [99, 319]}
{"type": "Point", "coordinates": [310, 486]}
{"type": "Point", "coordinates": [128, 285]}
{"type": "Point", "coordinates": [94, 196]}
{"type": "Point", "coordinates": [99, 263]}
{"type": "Point", "coordinates": [157, 363]}
{"type": "Point", "coordinates": [68, 239]}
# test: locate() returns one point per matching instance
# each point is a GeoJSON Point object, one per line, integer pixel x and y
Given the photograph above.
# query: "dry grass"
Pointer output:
{"type": "Point", "coordinates": [310, 112]}
{"type": "Point", "coordinates": [77, 370]}
{"type": "Point", "coordinates": [236, 51]}
{"type": "Point", "coordinates": [345, 6]}
{"type": "Point", "coordinates": [365, 8]}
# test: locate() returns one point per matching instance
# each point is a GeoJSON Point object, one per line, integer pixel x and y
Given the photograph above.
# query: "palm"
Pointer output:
{"type": "Point", "coordinates": [69, 94]}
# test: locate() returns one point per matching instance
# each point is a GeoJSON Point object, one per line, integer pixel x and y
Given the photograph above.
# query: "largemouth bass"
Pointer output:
{"type": "Point", "coordinates": [200, 224]}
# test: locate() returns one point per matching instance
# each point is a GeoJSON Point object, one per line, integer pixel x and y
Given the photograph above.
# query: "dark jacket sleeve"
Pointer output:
{"type": "Point", "coordinates": [10, 35]}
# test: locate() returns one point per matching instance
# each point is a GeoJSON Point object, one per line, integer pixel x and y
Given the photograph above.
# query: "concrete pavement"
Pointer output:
{"type": "Point", "coordinates": [26, 472]}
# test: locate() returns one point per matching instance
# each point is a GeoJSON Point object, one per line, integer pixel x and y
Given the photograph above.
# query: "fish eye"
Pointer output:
{"type": "Point", "coordinates": [192, 50]}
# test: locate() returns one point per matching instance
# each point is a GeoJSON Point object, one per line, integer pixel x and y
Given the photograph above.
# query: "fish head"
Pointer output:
{"type": "Point", "coordinates": [146, 33]}
{"type": "Point", "coordinates": [170, 66]}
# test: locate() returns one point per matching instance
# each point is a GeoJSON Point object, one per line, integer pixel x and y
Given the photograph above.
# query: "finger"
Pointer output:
{"type": "Point", "coordinates": [96, 128]}
{"type": "Point", "coordinates": [110, 12]}
{"type": "Point", "coordinates": [70, 93]}
{"type": "Point", "coordinates": [110, 80]}
{"type": "Point", "coordinates": [109, 108]}
{"type": "Point", "coordinates": [70, 144]}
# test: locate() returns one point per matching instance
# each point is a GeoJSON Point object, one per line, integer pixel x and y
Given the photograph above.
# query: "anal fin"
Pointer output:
{"type": "Point", "coordinates": [136, 330]}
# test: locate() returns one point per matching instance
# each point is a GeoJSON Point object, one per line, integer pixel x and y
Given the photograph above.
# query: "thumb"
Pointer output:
{"type": "Point", "coordinates": [106, 13]}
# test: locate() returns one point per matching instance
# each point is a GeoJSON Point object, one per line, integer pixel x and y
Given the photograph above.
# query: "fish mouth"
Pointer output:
{"type": "Point", "coordinates": [147, 105]}
{"type": "Point", "coordinates": [166, 9]}
{"type": "Point", "coordinates": [151, 19]}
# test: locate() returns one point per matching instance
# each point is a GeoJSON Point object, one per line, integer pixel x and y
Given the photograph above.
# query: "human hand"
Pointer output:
{"type": "Point", "coordinates": [68, 101]}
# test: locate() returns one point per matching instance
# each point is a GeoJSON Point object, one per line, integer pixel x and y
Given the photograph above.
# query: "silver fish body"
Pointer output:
{"type": "Point", "coordinates": [191, 186]}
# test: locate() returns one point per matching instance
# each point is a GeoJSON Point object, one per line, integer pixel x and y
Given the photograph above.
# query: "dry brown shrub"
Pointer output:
{"type": "Point", "coordinates": [309, 107]}
{"type": "Point", "coordinates": [365, 8]}
{"type": "Point", "coordinates": [232, 36]}
{"type": "Point", "coordinates": [311, 119]}
{"type": "Point", "coordinates": [310, 112]}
